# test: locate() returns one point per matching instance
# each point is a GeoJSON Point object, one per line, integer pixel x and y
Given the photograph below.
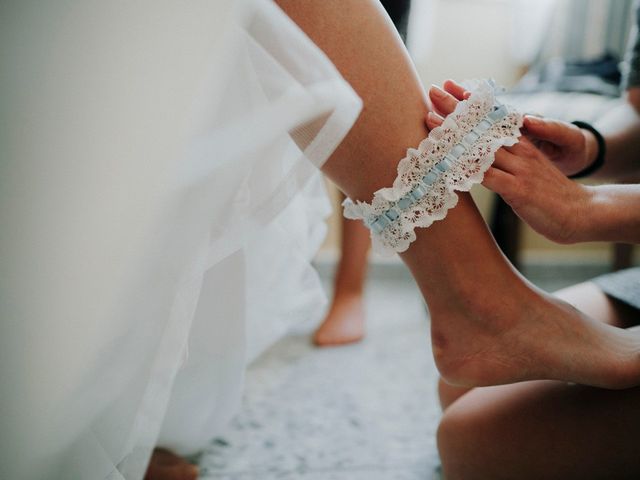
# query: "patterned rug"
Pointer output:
{"type": "Point", "coordinates": [362, 412]}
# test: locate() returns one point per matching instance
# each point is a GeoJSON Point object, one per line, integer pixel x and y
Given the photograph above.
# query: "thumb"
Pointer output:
{"type": "Point", "coordinates": [553, 131]}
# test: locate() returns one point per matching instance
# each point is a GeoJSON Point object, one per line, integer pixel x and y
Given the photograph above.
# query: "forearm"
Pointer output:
{"type": "Point", "coordinates": [611, 214]}
{"type": "Point", "coordinates": [621, 130]}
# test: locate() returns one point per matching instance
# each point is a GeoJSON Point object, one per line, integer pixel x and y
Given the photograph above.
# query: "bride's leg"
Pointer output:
{"type": "Point", "coordinates": [489, 326]}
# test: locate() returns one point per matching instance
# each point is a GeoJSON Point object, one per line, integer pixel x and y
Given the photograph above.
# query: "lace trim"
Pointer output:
{"type": "Point", "coordinates": [453, 157]}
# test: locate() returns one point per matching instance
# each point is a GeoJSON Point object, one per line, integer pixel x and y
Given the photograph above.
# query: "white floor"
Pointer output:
{"type": "Point", "coordinates": [367, 411]}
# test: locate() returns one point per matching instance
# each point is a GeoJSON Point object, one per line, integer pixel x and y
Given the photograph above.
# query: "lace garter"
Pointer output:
{"type": "Point", "coordinates": [453, 157]}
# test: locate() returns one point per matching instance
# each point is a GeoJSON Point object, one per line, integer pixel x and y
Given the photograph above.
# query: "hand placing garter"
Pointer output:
{"type": "Point", "coordinates": [453, 157]}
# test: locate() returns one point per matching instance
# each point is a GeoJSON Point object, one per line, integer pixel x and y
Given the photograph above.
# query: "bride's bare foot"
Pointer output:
{"type": "Point", "coordinates": [165, 465]}
{"type": "Point", "coordinates": [343, 324]}
{"type": "Point", "coordinates": [530, 336]}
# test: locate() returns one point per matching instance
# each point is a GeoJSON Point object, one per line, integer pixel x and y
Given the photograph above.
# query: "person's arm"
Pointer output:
{"type": "Point", "coordinates": [558, 208]}
{"type": "Point", "coordinates": [612, 214]}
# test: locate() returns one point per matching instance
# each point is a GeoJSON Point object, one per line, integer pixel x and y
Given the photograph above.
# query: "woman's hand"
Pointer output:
{"type": "Point", "coordinates": [569, 147]}
{"type": "Point", "coordinates": [539, 192]}
{"type": "Point", "coordinates": [526, 179]}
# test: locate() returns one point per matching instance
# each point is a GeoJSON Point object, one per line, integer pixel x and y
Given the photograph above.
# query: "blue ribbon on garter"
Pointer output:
{"type": "Point", "coordinates": [382, 221]}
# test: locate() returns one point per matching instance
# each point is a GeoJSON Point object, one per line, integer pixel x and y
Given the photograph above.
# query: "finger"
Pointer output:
{"type": "Point", "coordinates": [506, 161]}
{"type": "Point", "coordinates": [498, 181]}
{"type": "Point", "coordinates": [433, 120]}
{"type": "Point", "coordinates": [524, 147]}
{"type": "Point", "coordinates": [527, 148]}
{"type": "Point", "coordinates": [554, 131]}
{"type": "Point", "coordinates": [457, 90]}
{"type": "Point", "coordinates": [444, 103]}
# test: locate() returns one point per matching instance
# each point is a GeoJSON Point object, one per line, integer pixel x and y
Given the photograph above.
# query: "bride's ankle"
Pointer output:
{"type": "Point", "coordinates": [469, 337]}
{"type": "Point", "coordinates": [493, 302]}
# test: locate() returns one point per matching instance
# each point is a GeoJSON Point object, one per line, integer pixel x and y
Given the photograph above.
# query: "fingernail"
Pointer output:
{"type": "Point", "coordinates": [534, 120]}
{"type": "Point", "coordinates": [437, 91]}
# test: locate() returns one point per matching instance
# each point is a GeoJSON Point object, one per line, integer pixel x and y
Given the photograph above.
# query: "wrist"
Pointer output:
{"type": "Point", "coordinates": [613, 215]}
{"type": "Point", "coordinates": [584, 203]}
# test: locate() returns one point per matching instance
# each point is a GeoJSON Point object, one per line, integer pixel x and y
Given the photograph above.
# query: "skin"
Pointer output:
{"type": "Point", "coordinates": [478, 339]}
{"type": "Point", "coordinates": [587, 297]}
{"type": "Point", "coordinates": [541, 429]}
{"type": "Point", "coordinates": [558, 208]}
{"type": "Point", "coordinates": [165, 465]}
{"type": "Point", "coordinates": [535, 185]}
{"type": "Point", "coordinates": [572, 149]}
{"type": "Point", "coordinates": [544, 429]}
{"type": "Point", "coordinates": [345, 321]}
{"type": "Point", "coordinates": [591, 431]}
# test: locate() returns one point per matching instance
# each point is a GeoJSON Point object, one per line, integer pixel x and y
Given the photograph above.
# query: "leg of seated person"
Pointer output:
{"type": "Point", "coordinates": [489, 326]}
{"type": "Point", "coordinates": [541, 429]}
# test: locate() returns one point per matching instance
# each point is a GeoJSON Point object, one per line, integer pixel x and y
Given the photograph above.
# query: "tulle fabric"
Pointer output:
{"type": "Point", "coordinates": [160, 204]}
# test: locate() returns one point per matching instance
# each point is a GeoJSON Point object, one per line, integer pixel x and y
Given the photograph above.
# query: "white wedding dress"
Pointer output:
{"type": "Point", "coordinates": [159, 206]}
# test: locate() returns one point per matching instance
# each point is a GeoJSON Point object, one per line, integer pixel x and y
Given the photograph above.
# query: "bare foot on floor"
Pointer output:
{"type": "Point", "coordinates": [165, 465]}
{"type": "Point", "coordinates": [343, 324]}
{"type": "Point", "coordinates": [531, 337]}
